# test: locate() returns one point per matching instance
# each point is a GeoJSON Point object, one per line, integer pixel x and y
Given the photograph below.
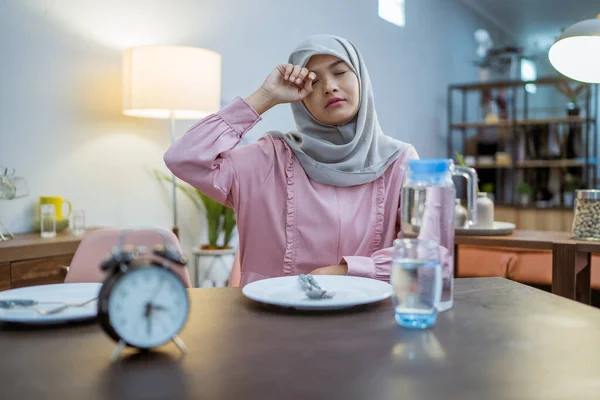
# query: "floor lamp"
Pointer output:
{"type": "Point", "coordinates": [171, 82]}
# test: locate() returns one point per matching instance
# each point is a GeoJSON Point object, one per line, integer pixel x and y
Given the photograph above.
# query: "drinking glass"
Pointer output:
{"type": "Point", "coordinates": [78, 228]}
{"type": "Point", "coordinates": [416, 278]}
{"type": "Point", "coordinates": [48, 220]}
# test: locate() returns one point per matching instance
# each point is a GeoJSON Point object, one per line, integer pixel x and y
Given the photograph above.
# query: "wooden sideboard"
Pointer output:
{"type": "Point", "coordinates": [532, 219]}
{"type": "Point", "coordinates": [29, 260]}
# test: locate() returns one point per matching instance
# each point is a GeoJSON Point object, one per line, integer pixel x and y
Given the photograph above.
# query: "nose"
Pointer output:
{"type": "Point", "coordinates": [330, 86]}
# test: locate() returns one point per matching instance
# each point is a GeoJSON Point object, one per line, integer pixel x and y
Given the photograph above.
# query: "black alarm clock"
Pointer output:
{"type": "Point", "coordinates": [143, 303]}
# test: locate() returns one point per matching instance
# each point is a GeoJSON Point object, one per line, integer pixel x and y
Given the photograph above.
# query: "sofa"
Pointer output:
{"type": "Point", "coordinates": [525, 266]}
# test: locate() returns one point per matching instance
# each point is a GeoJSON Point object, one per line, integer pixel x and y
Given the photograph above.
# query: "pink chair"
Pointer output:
{"type": "Point", "coordinates": [96, 247]}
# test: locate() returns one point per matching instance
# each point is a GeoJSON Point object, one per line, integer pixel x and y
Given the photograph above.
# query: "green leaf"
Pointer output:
{"type": "Point", "coordinates": [228, 225]}
{"type": "Point", "coordinates": [219, 218]}
{"type": "Point", "coordinates": [460, 160]}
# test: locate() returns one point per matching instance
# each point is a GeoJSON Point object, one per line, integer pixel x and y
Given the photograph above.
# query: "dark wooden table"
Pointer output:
{"type": "Point", "coordinates": [571, 259]}
{"type": "Point", "coordinates": [535, 240]}
{"type": "Point", "coordinates": [502, 340]}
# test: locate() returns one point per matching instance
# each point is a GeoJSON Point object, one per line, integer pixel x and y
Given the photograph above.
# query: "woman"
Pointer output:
{"type": "Point", "coordinates": [321, 200]}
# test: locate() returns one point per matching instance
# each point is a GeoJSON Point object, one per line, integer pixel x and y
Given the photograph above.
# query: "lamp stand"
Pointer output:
{"type": "Point", "coordinates": [173, 180]}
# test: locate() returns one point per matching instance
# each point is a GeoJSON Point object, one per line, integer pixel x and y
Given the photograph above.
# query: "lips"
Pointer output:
{"type": "Point", "coordinates": [335, 102]}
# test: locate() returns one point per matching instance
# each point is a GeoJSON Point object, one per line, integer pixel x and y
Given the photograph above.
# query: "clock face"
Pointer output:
{"type": "Point", "coordinates": [148, 306]}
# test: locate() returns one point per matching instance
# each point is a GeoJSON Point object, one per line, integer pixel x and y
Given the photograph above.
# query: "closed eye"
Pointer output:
{"type": "Point", "coordinates": [340, 73]}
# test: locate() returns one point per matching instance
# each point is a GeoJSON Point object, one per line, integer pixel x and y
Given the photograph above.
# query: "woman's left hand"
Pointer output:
{"type": "Point", "coordinates": [331, 270]}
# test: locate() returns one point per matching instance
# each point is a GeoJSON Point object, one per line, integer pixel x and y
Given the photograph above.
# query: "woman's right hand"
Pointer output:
{"type": "Point", "coordinates": [287, 83]}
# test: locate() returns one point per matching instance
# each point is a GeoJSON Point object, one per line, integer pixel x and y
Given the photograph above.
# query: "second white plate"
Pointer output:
{"type": "Point", "coordinates": [498, 229]}
{"type": "Point", "coordinates": [349, 291]}
{"type": "Point", "coordinates": [51, 296]}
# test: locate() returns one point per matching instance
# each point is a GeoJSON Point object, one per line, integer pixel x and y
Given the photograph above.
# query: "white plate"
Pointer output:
{"type": "Point", "coordinates": [349, 291]}
{"type": "Point", "coordinates": [60, 293]}
{"type": "Point", "coordinates": [498, 229]}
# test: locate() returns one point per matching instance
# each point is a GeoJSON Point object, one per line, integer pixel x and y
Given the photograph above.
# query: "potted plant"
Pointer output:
{"type": "Point", "coordinates": [572, 93]}
{"type": "Point", "coordinates": [220, 219]}
{"type": "Point", "coordinates": [489, 189]}
{"type": "Point", "coordinates": [525, 193]}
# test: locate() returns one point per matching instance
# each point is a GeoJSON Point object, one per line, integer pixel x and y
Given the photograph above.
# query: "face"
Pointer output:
{"type": "Point", "coordinates": [336, 93]}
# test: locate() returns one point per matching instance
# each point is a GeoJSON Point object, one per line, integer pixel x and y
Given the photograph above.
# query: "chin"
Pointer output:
{"type": "Point", "coordinates": [340, 117]}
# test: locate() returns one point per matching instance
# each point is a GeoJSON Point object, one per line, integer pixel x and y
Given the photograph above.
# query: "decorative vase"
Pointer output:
{"type": "Point", "coordinates": [524, 199]}
{"type": "Point", "coordinates": [485, 211]}
{"type": "Point", "coordinates": [460, 215]}
{"type": "Point", "coordinates": [568, 199]}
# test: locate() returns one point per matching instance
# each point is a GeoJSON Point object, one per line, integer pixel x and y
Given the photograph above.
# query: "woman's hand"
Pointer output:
{"type": "Point", "coordinates": [331, 270]}
{"type": "Point", "coordinates": [287, 83]}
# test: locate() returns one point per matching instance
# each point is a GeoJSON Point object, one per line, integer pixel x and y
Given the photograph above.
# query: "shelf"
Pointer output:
{"type": "Point", "coordinates": [551, 80]}
{"type": "Point", "coordinates": [523, 122]}
{"type": "Point", "coordinates": [554, 163]}
{"type": "Point", "coordinates": [539, 164]}
{"type": "Point", "coordinates": [532, 207]}
{"type": "Point", "coordinates": [491, 166]}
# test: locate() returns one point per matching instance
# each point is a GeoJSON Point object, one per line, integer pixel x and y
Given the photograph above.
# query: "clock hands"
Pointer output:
{"type": "Point", "coordinates": [147, 314]}
{"type": "Point", "coordinates": [151, 307]}
{"type": "Point", "coordinates": [148, 311]}
{"type": "Point", "coordinates": [158, 307]}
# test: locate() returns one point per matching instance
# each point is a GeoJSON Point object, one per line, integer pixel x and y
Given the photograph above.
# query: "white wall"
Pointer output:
{"type": "Point", "coordinates": [60, 117]}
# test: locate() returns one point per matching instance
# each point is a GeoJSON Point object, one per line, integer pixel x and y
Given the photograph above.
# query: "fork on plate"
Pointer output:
{"type": "Point", "coordinates": [32, 304]}
{"type": "Point", "coordinates": [312, 288]}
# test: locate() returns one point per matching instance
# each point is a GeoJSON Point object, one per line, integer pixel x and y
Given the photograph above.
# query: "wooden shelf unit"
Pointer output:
{"type": "Point", "coordinates": [522, 122]}
{"type": "Point", "coordinates": [504, 84]}
{"type": "Point", "coordinates": [519, 127]}
{"type": "Point", "coordinates": [536, 219]}
{"type": "Point", "coordinates": [566, 163]}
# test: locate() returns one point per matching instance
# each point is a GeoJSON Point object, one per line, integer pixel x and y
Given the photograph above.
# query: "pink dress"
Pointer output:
{"type": "Point", "coordinates": [287, 223]}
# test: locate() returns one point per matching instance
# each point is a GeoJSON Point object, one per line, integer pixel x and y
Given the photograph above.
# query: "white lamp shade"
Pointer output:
{"type": "Point", "coordinates": [576, 53]}
{"type": "Point", "coordinates": [165, 81]}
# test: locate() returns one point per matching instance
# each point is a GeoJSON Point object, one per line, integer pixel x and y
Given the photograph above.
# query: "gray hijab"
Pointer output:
{"type": "Point", "coordinates": [347, 155]}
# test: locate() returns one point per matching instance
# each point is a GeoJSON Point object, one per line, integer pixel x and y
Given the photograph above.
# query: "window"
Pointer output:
{"type": "Point", "coordinates": [392, 11]}
{"type": "Point", "coordinates": [529, 73]}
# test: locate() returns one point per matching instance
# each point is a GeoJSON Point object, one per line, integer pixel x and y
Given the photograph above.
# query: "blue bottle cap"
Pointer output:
{"type": "Point", "coordinates": [430, 165]}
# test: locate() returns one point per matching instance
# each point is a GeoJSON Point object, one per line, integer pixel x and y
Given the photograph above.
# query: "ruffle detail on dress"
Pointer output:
{"type": "Point", "coordinates": [289, 259]}
{"type": "Point", "coordinates": [379, 214]}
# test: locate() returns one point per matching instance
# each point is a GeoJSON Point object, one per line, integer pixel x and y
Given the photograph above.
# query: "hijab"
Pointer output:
{"type": "Point", "coordinates": [351, 154]}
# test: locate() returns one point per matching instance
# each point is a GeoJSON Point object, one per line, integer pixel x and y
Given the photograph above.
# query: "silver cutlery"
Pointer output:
{"type": "Point", "coordinates": [32, 304]}
{"type": "Point", "coordinates": [313, 281]}
{"type": "Point", "coordinates": [312, 288]}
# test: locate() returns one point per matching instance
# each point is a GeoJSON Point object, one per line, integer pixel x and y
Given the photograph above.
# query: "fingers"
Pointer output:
{"type": "Point", "coordinates": [298, 76]}
{"type": "Point", "coordinates": [295, 73]}
{"type": "Point", "coordinates": [303, 74]}
{"type": "Point", "coordinates": [288, 70]}
{"type": "Point", "coordinates": [309, 81]}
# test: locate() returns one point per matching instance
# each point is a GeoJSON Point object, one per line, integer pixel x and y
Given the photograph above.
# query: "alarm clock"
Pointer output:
{"type": "Point", "coordinates": [142, 303]}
